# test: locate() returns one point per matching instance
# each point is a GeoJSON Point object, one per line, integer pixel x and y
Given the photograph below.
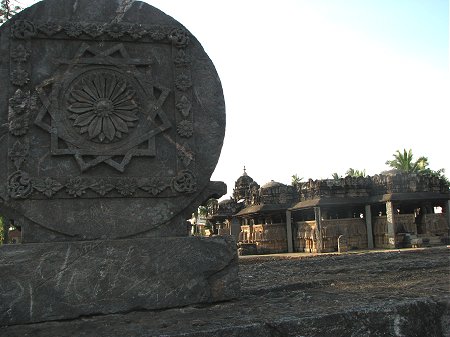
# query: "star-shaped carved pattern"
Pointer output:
{"type": "Point", "coordinates": [102, 108]}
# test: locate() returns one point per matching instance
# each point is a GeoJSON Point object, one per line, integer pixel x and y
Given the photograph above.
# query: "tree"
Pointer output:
{"type": "Point", "coordinates": [405, 163]}
{"type": "Point", "coordinates": [211, 205]}
{"type": "Point", "coordinates": [439, 174]}
{"type": "Point", "coordinates": [355, 173]}
{"type": "Point", "coordinates": [8, 8]}
{"type": "Point", "coordinates": [336, 176]}
{"type": "Point", "coordinates": [202, 211]}
{"type": "Point", "coordinates": [296, 180]}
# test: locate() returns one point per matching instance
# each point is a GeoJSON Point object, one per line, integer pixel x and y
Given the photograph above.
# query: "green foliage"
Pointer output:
{"type": "Point", "coordinates": [405, 162]}
{"type": "Point", "coordinates": [8, 8]}
{"type": "Point", "coordinates": [296, 180]}
{"type": "Point", "coordinates": [211, 205]}
{"type": "Point", "coordinates": [336, 176]}
{"type": "Point", "coordinates": [355, 173]}
{"type": "Point", "coordinates": [202, 211]}
{"type": "Point", "coordinates": [439, 174]}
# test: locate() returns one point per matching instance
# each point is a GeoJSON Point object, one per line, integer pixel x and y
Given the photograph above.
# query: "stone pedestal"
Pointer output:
{"type": "Point", "coordinates": [53, 281]}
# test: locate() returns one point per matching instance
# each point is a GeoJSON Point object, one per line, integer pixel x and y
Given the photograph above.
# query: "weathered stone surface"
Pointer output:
{"type": "Point", "coordinates": [52, 281]}
{"type": "Point", "coordinates": [388, 294]}
{"type": "Point", "coordinates": [112, 115]}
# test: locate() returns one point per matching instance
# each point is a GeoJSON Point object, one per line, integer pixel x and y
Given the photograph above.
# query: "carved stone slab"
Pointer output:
{"type": "Point", "coordinates": [51, 281]}
{"type": "Point", "coordinates": [107, 107]}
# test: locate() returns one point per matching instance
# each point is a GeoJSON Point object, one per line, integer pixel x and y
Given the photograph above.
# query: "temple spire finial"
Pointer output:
{"type": "Point", "coordinates": [245, 171]}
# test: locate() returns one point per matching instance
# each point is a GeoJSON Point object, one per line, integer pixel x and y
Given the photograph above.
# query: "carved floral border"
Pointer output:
{"type": "Point", "coordinates": [23, 104]}
{"type": "Point", "coordinates": [24, 29]}
{"type": "Point", "coordinates": [22, 186]}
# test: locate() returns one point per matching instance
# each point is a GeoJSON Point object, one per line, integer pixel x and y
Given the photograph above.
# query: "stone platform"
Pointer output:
{"type": "Point", "coordinates": [371, 294]}
{"type": "Point", "coordinates": [54, 281]}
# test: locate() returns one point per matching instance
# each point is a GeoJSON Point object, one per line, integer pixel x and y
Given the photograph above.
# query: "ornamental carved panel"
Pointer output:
{"type": "Point", "coordinates": [101, 107]}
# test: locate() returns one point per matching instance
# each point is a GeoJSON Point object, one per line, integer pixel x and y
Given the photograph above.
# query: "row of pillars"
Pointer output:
{"type": "Point", "coordinates": [318, 218]}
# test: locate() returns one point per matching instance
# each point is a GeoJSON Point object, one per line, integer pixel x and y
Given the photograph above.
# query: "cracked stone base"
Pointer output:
{"type": "Point", "coordinates": [55, 281]}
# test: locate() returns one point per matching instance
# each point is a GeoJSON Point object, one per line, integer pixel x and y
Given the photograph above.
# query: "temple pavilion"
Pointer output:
{"type": "Point", "coordinates": [391, 210]}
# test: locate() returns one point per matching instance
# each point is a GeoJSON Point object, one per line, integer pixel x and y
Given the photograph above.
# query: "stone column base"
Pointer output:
{"type": "Point", "coordinates": [54, 281]}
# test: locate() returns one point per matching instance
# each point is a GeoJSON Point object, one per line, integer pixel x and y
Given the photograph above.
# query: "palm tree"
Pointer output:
{"type": "Point", "coordinates": [296, 180]}
{"type": "Point", "coordinates": [211, 205]}
{"type": "Point", "coordinates": [202, 211]}
{"type": "Point", "coordinates": [355, 173]}
{"type": "Point", "coordinates": [7, 10]}
{"type": "Point", "coordinates": [404, 162]}
{"type": "Point", "coordinates": [336, 176]}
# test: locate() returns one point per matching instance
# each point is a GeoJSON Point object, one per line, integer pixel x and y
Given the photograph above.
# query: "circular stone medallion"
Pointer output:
{"type": "Point", "coordinates": [115, 121]}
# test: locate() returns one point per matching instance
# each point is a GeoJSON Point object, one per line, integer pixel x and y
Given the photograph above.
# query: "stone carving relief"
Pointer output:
{"type": "Point", "coordinates": [76, 187]}
{"type": "Point", "coordinates": [109, 110]}
{"type": "Point", "coordinates": [184, 106]}
{"type": "Point", "coordinates": [185, 128]}
{"type": "Point", "coordinates": [154, 187]}
{"type": "Point", "coordinates": [19, 56]}
{"type": "Point", "coordinates": [47, 186]}
{"type": "Point", "coordinates": [178, 37]}
{"type": "Point", "coordinates": [22, 186]}
{"type": "Point", "coordinates": [49, 28]}
{"type": "Point", "coordinates": [18, 153]}
{"type": "Point", "coordinates": [182, 59]}
{"type": "Point", "coordinates": [184, 182]}
{"type": "Point", "coordinates": [183, 82]}
{"type": "Point", "coordinates": [103, 106]}
{"type": "Point", "coordinates": [99, 101]}
{"type": "Point", "coordinates": [23, 29]}
{"type": "Point", "coordinates": [19, 76]}
{"type": "Point", "coordinates": [127, 187]}
{"type": "Point", "coordinates": [19, 185]}
{"type": "Point", "coordinates": [21, 105]}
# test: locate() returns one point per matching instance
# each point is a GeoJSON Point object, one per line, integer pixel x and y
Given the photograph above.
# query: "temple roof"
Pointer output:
{"type": "Point", "coordinates": [261, 208]}
{"type": "Point", "coordinates": [271, 184]}
{"type": "Point", "coordinates": [244, 180]}
{"type": "Point", "coordinates": [227, 202]}
{"type": "Point", "coordinates": [366, 200]}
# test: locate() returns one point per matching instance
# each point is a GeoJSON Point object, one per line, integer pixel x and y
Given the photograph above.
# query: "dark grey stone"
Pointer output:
{"type": "Point", "coordinates": [113, 120]}
{"type": "Point", "coordinates": [52, 281]}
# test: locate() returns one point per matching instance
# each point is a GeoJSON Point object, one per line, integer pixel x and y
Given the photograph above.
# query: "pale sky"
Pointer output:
{"type": "Point", "coordinates": [314, 87]}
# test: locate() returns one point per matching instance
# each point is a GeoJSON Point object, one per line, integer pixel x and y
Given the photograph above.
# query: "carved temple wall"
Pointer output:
{"type": "Point", "coordinates": [354, 229]}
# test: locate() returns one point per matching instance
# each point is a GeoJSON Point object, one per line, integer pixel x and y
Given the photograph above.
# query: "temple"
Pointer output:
{"type": "Point", "coordinates": [392, 210]}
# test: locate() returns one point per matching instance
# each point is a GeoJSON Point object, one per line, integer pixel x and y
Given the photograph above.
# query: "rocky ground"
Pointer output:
{"type": "Point", "coordinates": [402, 293]}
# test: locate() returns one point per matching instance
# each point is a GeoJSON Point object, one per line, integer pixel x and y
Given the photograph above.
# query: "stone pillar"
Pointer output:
{"type": "Point", "coordinates": [235, 228]}
{"type": "Point", "coordinates": [342, 244]}
{"type": "Point", "coordinates": [318, 218]}
{"type": "Point", "coordinates": [289, 231]}
{"type": "Point", "coordinates": [390, 224]}
{"type": "Point", "coordinates": [447, 213]}
{"type": "Point", "coordinates": [369, 227]}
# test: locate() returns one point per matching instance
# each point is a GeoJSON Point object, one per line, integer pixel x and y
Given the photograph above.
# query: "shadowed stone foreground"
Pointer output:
{"type": "Point", "coordinates": [393, 293]}
{"type": "Point", "coordinates": [55, 281]}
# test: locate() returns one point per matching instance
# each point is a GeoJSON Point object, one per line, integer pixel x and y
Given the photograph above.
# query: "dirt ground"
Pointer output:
{"type": "Point", "coordinates": [402, 293]}
{"type": "Point", "coordinates": [334, 281]}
